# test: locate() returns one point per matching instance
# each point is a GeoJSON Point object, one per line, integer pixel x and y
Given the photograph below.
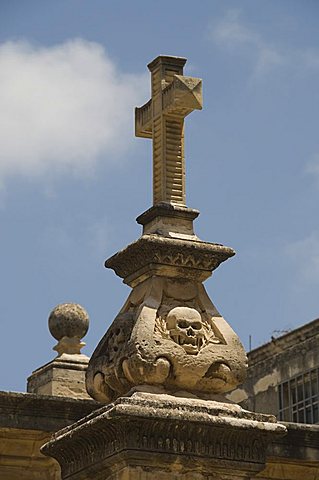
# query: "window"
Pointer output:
{"type": "Point", "coordinates": [299, 398]}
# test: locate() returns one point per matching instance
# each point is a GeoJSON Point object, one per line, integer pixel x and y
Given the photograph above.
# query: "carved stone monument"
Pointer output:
{"type": "Point", "coordinates": [169, 356]}
{"type": "Point", "coordinates": [168, 332]}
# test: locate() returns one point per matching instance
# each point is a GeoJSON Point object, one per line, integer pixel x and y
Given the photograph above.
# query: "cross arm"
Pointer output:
{"type": "Point", "coordinates": [182, 96]}
{"type": "Point", "coordinates": [143, 120]}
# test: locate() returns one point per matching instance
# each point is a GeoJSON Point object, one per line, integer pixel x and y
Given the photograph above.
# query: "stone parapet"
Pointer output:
{"type": "Point", "coordinates": [41, 412]}
{"type": "Point", "coordinates": [294, 456]}
{"type": "Point", "coordinates": [26, 423]}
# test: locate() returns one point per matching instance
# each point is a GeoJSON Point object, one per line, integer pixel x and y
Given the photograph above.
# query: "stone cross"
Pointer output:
{"type": "Point", "coordinates": [162, 118]}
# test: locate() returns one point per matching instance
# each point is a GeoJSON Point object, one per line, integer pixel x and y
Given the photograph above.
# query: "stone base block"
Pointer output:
{"type": "Point", "coordinates": [64, 376]}
{"type": "Point", "coordinates": [158, 436]}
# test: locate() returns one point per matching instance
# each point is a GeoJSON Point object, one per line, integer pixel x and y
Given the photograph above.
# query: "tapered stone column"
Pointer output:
{"type": "Point", "coordinates": [168, 358]}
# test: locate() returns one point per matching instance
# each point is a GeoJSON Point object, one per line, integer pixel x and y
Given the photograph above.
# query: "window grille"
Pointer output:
{"type": "Point", "coordinates": [299, 398]}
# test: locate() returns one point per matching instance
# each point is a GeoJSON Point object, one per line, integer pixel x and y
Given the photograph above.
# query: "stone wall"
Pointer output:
{"type": "Point", "coordinates": [27, 421]}
{"type": "Point", "coordinates": [275, 362]}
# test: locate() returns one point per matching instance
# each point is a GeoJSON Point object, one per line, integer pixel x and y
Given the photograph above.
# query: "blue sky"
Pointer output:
{"type": "Point", "coordinates": [73, 178]}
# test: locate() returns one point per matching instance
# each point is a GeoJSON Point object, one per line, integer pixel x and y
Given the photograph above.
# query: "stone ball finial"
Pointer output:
{"type": "Point", "coordinates": [68, 323]}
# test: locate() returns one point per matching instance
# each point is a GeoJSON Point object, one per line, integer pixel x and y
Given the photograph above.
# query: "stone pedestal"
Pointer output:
{"type": "Point", "coordinates": [65, 375]}
{"type": "Point", "coordinates": [148, 436]}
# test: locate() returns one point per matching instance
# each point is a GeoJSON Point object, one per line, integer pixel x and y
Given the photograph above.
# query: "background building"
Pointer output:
{"type": "Point", "coordinates": [282, 376]}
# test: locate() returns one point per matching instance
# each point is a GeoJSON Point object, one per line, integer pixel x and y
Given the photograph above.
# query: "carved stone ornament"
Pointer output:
{"type": "Point", "coordinates": [174, 257]}
{"type": "Point", "coordinates": [168, 333]}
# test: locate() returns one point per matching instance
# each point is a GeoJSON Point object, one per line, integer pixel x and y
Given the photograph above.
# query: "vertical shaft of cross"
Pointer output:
{"type": "Point", "coordinates": [162, 118]}
{"type": "Point", "coordinates": [168, 136]}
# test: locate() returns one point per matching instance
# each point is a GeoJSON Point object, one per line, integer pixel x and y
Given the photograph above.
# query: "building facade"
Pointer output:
{"type": "Point", "coordinates": [283, 377]}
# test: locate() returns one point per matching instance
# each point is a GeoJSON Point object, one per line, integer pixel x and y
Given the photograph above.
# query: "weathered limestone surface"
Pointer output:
{"type": "Point", "coordinates": [155, 435]}
{"type": "Point", "coordinates": [26, 422]}
{"type": "Point", "coordinates": [65, 375]}
{"type": "Point", "coordinates": [168, 333]}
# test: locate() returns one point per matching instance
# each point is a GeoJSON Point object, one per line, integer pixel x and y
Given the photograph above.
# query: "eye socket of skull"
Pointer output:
{"type": "Point", "coordinates": [182, 324]}
{"type": "Point", "coordinates": [196, 325]}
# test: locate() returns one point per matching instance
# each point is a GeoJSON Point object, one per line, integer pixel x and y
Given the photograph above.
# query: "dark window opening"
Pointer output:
{"type": "Point", "coordinates": [299, 399]}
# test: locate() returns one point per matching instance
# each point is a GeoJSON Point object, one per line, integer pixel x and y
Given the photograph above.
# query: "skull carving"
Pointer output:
{"type": "Point", "coordinates": [186, 328]}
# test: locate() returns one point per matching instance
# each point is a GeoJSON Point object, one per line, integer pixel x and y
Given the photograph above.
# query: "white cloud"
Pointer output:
{"type": "Point", "coordinates": [63, 107]}
{"type": "Point", "coordinates": [230, 32]}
